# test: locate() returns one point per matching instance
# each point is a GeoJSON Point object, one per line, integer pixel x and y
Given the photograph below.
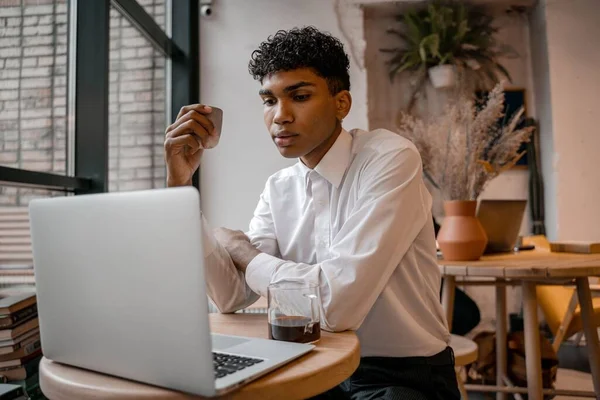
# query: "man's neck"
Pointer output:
{"type": "Point", "coordinates": [312, 159]}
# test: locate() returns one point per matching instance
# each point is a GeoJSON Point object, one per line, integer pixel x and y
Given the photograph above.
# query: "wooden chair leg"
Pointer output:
{"type": "Point", "coordinates": [533, 352]}
{"type": "Point", "coordinates": [501, 333]}
{"type": "Point", "coordinates": [590, 329]}
{"type": "Point", "coordinates": [578, 338]}
{"type": "Point", "coordinates": [448, 298]}
{"type": "Point", "coordinates": [559, 336]}
{"type": "Point", "coordinates": [461, 385]}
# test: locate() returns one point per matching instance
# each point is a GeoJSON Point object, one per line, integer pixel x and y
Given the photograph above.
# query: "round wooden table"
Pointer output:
{"type": "Point", "coordinates": [528, 269]}
{"type": "Point", "coordinates": [333, 360]}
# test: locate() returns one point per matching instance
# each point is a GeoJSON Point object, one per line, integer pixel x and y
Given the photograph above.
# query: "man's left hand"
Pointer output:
{"type": "Point", "coordinates": [238, 246]}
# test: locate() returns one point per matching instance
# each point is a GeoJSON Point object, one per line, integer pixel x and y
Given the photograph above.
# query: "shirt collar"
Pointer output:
{"type": "Point", "coordinates": [335, 162]}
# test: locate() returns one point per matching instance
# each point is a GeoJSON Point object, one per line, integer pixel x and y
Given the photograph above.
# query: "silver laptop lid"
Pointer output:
{"type": "Point", "coordinates": [120, 285]}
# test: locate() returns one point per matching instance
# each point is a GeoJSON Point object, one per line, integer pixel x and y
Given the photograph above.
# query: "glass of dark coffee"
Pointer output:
{"type": "Point", "coordinates": [294, 311]}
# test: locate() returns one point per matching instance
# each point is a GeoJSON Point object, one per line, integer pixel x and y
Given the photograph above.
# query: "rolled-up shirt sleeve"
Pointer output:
{"type": "Point", "coordinates": [392, 207]}
{"type": "Point", "coordinates": [225, 284]}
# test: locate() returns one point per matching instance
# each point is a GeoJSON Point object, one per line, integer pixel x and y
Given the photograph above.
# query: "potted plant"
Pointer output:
{"type": "Point", "coordinates": [462, 150]}
{"type": "Point", "coordinates": [444, 39]}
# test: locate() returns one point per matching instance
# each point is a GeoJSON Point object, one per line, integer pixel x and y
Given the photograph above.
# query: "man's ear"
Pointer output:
{"type": "Point", "coordinates": [343, 103]}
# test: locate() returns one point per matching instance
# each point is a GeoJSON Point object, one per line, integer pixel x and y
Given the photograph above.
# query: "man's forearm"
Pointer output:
{"type": "Point", "coordinates": [226, 285]}
{"type": "Point", "coordinates": [173, 183]}
{"type": "Point", "coordinates": [238, 246]}
{"type": "Point", "coordinates": [242, 254]}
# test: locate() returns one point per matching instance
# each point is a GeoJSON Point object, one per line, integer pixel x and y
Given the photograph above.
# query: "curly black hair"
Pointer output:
{"type": "Point", "coordinates": [305, 47]}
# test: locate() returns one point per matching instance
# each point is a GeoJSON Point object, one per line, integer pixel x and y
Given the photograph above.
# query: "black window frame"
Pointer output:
{"type": "Point", "coordinates": [91, 86]}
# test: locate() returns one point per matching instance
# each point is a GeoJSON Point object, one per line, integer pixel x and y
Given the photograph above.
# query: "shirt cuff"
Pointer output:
{"type": "Point", "coordinates": [259, 272]}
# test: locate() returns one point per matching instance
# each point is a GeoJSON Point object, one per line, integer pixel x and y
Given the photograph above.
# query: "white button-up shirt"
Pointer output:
{"type": "Point", "coordinates": [359, 225]}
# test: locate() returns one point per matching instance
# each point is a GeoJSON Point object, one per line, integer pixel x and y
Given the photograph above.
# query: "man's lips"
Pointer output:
{"type": "Point", "coordinates": [283, 139]}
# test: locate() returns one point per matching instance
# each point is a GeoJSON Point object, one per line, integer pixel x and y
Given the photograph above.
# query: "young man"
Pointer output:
{"type": "Point", "coordinates": [353, 215]}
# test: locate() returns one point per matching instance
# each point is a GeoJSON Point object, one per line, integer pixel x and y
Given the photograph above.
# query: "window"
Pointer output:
{"type": "Point", "coordinates": [157, 10]}
{"type": "Point", "coordinates": [86, 90]}
{"type": "Point", "coordinates": [33, 81]}
{"type": "Point", "coordinates": [137, 109]}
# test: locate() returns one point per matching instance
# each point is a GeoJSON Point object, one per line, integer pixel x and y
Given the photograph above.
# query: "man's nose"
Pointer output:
{"type": "Point", "coordinates": [283, 113]}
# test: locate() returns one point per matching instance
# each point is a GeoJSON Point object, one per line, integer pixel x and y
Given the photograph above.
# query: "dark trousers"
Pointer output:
{"type": "Point", "coordinates": [408, 378]}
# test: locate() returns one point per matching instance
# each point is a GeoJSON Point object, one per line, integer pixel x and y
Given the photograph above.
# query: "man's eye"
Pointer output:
{"type": "Point", "coordinates": [301, 97]}
{"type": "Point", "coordinates": [268, 102]}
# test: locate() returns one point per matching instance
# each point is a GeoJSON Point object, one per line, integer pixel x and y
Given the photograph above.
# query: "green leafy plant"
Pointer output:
{"type": "Point", "coordinates": [448, 32]}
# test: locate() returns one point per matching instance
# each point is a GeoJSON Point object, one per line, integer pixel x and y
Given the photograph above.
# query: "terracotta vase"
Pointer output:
{"type": "Point", "coordinates": [461, 237]}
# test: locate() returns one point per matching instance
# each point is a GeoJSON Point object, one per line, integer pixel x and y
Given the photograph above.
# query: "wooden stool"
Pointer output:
{"type": "Point", "coordinates": [465, 353]}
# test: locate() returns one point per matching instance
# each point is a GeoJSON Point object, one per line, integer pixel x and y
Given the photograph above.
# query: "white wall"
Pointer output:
{"type": "Point", "coordinates": [233, 174]}
{"type": "Point", "coordinates": [572, 29]}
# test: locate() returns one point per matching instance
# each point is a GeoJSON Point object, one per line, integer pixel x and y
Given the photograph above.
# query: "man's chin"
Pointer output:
{"type": "Point", "coordinates": [290, 152]}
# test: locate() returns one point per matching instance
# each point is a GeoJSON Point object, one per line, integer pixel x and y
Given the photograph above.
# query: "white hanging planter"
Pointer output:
{"type": "Point", "coordinates": [442, 76]}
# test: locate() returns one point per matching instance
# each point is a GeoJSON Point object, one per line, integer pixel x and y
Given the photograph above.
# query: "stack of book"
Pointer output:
{"type": "Point", "coordinates": [20, 346]}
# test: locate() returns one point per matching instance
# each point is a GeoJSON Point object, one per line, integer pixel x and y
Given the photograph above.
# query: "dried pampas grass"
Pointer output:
{"type": "Point", "coordinates": [465, 148]}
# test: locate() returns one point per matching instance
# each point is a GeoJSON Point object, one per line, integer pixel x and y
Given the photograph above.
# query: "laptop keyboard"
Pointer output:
{"type": "Point", "coordinates": [225, 364]}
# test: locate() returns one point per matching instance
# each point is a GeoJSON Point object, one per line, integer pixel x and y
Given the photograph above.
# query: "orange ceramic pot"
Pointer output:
{"type": "Point", "coordinates": [461, 237]}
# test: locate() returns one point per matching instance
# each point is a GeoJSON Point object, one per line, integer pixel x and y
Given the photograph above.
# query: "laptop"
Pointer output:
{"type": "Point", "coordinates": [501, 220]}
{"type": "Point", "coordinates": [121, 290]}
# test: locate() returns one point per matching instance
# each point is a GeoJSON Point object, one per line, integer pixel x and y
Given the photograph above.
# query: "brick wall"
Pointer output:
{"type": "Point", "coordinates": [33, 96]}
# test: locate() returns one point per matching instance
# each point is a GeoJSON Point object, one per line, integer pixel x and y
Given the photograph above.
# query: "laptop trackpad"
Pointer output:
{"type": "Point", "coordinates": [222, 342]}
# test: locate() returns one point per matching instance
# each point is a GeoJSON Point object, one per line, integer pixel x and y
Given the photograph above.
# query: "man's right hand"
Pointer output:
{"type": "Point", "coordinates": [185, 141]}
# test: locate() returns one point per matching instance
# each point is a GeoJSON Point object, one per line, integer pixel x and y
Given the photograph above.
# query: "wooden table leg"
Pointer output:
{"type": "Point", "coordinates": [448, 298]}
{"type": "Point", "coordinates": [533, 353]}
{"type": "Point", "coordinates": [501, 364]}
{"type": "Point", "coordinates": [590, 329]}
